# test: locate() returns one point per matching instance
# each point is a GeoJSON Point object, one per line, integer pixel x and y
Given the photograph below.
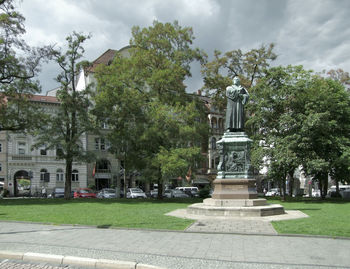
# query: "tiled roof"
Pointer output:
{"type": "Point", "coordinates": [45, 99]}
{"type": "Point", "coordinates": [105, 58]}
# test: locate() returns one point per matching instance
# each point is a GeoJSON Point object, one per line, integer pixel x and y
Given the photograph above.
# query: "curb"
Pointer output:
{"type": "Point", "coordinates": [74, 261]}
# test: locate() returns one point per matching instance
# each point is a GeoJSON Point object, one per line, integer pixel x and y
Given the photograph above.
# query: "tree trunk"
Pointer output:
{"type": "Point", "coordinates": [284, 188]}
{"type": "Point", "coordinates": [337, 187]}
{"type": "Point", "coordinates": [320, 186]}
{"type": "Point", "coordinates": [291, 183]}
{"type": "Point", "coordinates": [68, 182]}
{"type": "Point", "coordinates": [160, 185]}
{"type": "Point", "coordinates": [325, 186]}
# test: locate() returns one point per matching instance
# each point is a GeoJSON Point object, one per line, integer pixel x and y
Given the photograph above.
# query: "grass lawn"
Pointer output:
{"type": "Point", "coordinates": [329, 217]}
{"type": "Point", "coordinates": [127, 213]}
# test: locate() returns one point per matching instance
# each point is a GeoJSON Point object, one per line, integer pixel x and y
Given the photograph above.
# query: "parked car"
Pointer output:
{"type": "Point", "coordinates": [344, 191]}
{"type": "Point", "coordinates": [154, 193]}
{"type": "Point", "coordinates": [170, 193]}
{"type": "Point", "coordinates": [273, 192]}
{"type": "Point", "coordinates": [190, 191]}
{"type": "Point", "coordinates": [57, 193]}
{"type": "Point", "coordinates": [106, 193]}
{"type": "Point", "coordinates": [84, 193]}
{"type": "Point", "coordinates": [135, 193]}
{"type": "Point", "coordinates": [315, 193]}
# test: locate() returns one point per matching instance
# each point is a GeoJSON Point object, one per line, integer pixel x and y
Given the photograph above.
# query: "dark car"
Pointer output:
{"type": "Point", "coordinates": [57, 193]}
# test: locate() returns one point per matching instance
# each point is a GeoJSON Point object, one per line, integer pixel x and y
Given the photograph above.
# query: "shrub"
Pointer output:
{"type": "Point", "coordinates": [204, 193]}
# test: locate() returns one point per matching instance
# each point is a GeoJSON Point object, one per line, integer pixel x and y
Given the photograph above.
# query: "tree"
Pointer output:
{"type": "Point", "coordinates": [249, 66]}
{"type": "Point", "coordinates": [147, 99]}
{"type": "Point", "coordinates": [19, 64]}
{"type": "Point", "coordinates": [66, 126]}
{"type": "Point", "coordinates": [171, 143]}
{"type": "Point", "coordinates": [302, 119]}
{"type": "Point", "coordinates": [276, 117]}
{"type": "Point", "coordinates": [325, 131]}
{"type": "Point", "coordinates": [339, 75]}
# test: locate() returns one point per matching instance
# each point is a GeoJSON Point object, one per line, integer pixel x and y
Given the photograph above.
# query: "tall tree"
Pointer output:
{"type": "Point", "coordinates": [150, 85]}
{"type": "Point", "coordinates": [302, 119]}
{"type": "Point", "coordinates": [19, 64]}
{"type": "Point", "coordinates": [249, 66]}
{"type": "Point", "coordinates": [325, 131]}
{"type": "Point", "coordinates": [276, 118]}
{"type": "Point", "coordinates": [66, 126]}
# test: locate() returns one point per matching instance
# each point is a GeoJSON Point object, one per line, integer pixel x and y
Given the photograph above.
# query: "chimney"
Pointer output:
{"type": "Point", "coordinates": [199, 92]}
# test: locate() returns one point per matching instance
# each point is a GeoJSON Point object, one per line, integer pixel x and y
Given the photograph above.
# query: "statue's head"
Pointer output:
{"type": "Point", "coordinates": [236, 81]}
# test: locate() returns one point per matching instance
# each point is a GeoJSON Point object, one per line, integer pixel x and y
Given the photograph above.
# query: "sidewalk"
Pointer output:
{"type": "Point", "coordinates": [177, 249]}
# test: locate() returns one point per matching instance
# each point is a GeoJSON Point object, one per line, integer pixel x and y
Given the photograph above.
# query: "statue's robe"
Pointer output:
{"type": "Point", "coordinates": [237, 97]}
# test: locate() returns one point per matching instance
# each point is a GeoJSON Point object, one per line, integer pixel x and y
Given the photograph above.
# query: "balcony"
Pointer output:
{"type": "Point", "coordinates": [21, 158]}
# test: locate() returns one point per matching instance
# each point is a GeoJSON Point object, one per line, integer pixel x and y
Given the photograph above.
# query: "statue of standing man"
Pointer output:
{"type": "Point", "coordinates": [237, 97]}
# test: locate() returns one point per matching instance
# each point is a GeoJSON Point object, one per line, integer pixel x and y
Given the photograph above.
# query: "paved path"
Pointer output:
{"type": "Point", "coordinates": [8, 264]}
{"type": "Point", "coordinates": [177, 249]}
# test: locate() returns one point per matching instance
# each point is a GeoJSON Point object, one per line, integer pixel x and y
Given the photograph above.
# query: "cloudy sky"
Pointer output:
{"type": "Point", "coordinates": [314, 33]}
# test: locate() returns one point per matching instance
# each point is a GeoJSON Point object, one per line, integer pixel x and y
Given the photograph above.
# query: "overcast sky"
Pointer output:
{"type": "Point", "coordinates": [314, 33]}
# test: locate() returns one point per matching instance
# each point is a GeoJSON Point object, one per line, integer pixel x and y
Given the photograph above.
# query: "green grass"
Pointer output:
{"type": "Point", "coordinates": [329, 217]}
{"type": "Point", "coordinates": [147, 214]}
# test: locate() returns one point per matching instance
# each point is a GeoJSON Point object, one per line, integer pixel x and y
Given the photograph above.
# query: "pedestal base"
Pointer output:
{"type": "Point", "coordinates": [235, 197]}
{"type": "Point", "coordinates": [234, 188]}
{"type": "Point", "coordinates": [235, 208]}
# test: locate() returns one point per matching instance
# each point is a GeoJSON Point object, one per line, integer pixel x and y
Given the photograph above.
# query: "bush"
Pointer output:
{"type": "Point", "coordinates": [92, 186]}
{"type": "Point", "coordinates": [335, 194]}
{"type": "Point", "coordinates": [204, 193]}
{"type": "Point", "coordinates": [4, 193]}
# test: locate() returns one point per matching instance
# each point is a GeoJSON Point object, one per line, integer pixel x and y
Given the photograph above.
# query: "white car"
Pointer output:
{"type": "Point", "coordinates": [106, 193]}
{"type": "Point", "coordinates": [175, 194]}
{"type": "Point", "coordinates": [135, 193]}
{"type": "Point", "coordinates": [273, 192]}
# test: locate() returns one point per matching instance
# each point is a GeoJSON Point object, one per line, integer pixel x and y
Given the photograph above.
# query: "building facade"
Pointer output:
{"type": "Point", "coordinates": [26, 170]}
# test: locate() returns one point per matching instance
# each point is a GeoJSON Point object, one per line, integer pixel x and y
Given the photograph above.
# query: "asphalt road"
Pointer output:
{"type": "Point", "coordinates": [177, 250]}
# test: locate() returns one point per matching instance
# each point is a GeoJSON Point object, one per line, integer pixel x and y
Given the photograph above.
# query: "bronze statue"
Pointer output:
{"type": "Point", "coordinates": [237, 97]}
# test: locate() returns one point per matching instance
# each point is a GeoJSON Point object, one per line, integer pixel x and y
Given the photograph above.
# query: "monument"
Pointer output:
{"type": "Point", "coordinates": [235, 187]}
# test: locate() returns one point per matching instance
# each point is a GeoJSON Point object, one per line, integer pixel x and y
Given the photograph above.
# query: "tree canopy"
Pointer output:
{"type": "Point", "coordinates": [300, 119]}
{"type": "Point", "coordinates": [19, 65]}
{"type": "Point", "coordinates": [149, 109]}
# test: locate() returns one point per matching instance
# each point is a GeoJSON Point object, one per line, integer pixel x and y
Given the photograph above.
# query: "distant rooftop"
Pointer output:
{"type": "Point", "coordinates": [45, 99]}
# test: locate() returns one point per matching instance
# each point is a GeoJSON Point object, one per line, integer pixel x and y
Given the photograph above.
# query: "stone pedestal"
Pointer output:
{"type": "Point", "coordinates": [234, 188]}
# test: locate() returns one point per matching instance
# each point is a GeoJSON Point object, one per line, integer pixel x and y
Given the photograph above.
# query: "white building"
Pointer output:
{"type": "Point", "coordinates": [26, 170]}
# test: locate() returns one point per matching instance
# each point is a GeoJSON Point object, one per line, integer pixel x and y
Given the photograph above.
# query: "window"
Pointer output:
{"type": "Point", "coordinates": [0, 167]}
{"type": "Point", "coordinates": [43, 152]}
{"type": "Point", "coordinates": [101, 144]}
{"type": "Point", "coordinates": [97, 143]}
{"type": "Point", "coordinates": [0, 147]}
{"type": "Point", "coordinates": [213, 143]}
{"type": "Point", "coordinates": [44, 175]}
{"type": "Point", "coordinates": [75, 175]}
{"type": "Point", "coordinates": [59, 151]}
{"type": "Point", "coordinates": [59, 175]}
{"type": "Point", "coordinates": [104, 125]}
{"type": "Point", "coordinates": [21, 148]}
